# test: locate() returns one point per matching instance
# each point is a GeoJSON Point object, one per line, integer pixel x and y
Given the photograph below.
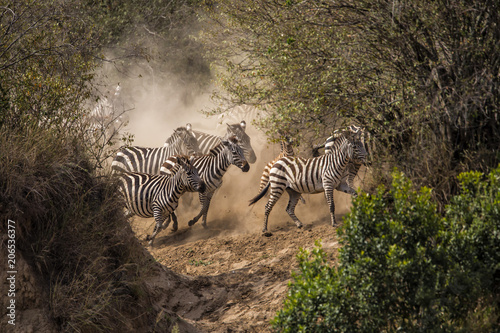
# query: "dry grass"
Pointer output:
{"type": "Point", "coordinates": [72, 230]}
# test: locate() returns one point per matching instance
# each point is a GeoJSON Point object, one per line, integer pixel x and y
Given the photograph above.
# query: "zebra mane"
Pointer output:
{"type": "Point", "coordinates": [346, 132]}
{"type": "Point", "coordinates": [174, 163]}
{"type": "Point", "coordinates": [349, 130]}
{"type": "Point", "coordinates": [179, 132]}
{"type": "Point", "coordinates": [183, 137]}
{"type": "Point", "coordinates": [174, 137]}
{"type": "Point", "coordinates": [217, 149]}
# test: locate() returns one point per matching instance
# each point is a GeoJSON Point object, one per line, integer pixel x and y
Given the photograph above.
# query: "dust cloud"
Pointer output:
{"type": "Point", "coordinates": [155, 112]}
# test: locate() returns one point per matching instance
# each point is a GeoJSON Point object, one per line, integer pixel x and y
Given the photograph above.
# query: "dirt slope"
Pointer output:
{"type": "Point", "coordinates": [228, 277]}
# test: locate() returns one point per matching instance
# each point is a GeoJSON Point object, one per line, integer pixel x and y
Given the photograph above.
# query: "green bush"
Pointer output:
{"type": "Point", "coordinates": [403, 267]}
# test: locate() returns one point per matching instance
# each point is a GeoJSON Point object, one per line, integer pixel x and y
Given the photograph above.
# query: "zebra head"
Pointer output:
{"type": "Point", "coordinates": [235, 153]}
{"type": "Point", "coordinates": [185, 140]}
{"type": "Point", "coordinates": [238, 130]}
{"type": "Point", "coordinates": [287, 145]}
{"type": "Point", "coordinates": [190, 176]}
{"type": "Point", "coordinates": [355, 136]}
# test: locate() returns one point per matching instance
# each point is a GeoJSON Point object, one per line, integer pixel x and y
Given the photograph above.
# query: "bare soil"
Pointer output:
{"type": "Point", "coordinates": [228, 277]}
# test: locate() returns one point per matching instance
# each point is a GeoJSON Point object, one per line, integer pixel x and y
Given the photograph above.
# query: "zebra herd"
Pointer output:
{"type": "Point", "coordinates": [153, 179]}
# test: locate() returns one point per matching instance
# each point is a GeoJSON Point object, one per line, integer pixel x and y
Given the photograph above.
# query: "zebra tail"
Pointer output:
{"type": "Point", "coordinates": [260, 195]}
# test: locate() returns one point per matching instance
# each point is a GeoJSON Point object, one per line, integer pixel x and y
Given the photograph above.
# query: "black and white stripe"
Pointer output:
{"type": "Point", "coordinates": [158, 195]}
{"type": "Point", "coordinates": [314, 175]}
{"type": "Point", "coordinates": [286, 150]}
{"type": "Point", "coordinates": [212, 168]}
{"type": "Point", "coordinates": [206, 141]}
{"type": "Point", "coordinates": [347, 182]}
{"type": "Point", "coordinates": [149, 160]}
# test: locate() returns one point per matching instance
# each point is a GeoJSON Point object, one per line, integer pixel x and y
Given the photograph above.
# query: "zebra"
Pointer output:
{"type": "Point", "coordinates": [158, 195]}
{"type": "Point", "coordinates": [206, 141]}
{"type": "Point", "coordinates": [313, 175]}
{"type": "Point", "coordinates": [149, 160]}
{"type": "Point", "coordinates": [346, 184]}
{"type": "Point", "coordinates": [212, 168]}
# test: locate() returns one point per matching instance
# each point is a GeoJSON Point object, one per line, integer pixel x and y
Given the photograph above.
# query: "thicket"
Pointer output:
{"type": "Point", "coordinates": [404, 267]}
{"type": "Point", "coordinates": [420, 76]}
{"type": "Point", "coordinates": [70, 226]}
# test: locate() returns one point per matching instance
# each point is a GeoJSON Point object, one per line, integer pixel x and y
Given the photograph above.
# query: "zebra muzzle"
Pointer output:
{"type": "Point", "coordinates": [201, 187]}
{"type": "Point", "coordinates": [245, 167]}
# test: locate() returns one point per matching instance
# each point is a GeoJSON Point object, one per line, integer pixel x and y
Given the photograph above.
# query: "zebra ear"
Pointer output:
{"type": "Point", "coordinates": [243, 125]}
{"type": "Point", "coordinates": [188, 126]}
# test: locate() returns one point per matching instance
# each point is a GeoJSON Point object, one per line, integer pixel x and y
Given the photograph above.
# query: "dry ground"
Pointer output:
{"type": "Point", "coordinates": [228, 277]}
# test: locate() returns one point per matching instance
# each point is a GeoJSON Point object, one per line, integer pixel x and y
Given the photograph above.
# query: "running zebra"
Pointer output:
{"type": "Point", "coordinates": [206, 141]}
{"type": "Point", "coordinates": [149, 160]}
{"type": "Point", "coordinates": [347, 183]}
{"type": "Point", "coordinates": [313, 175]}
{"type": "Point", "coordinates": [212, 168]}
{"type": "Point", "coordinates": [158, 196]}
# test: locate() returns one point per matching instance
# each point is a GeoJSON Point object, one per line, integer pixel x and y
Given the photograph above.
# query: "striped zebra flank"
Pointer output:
{"type": "Point", "coordinates": [211, 168]}
{"type": "Point", "coordinates": [286, 150]}
{"type": "Point", "coordinates": [158, 195]}
{"type": "Point", "coordinates": [206, 141]}
{"type": "Point", "coordinates": [311, 175]}
{"type": "Point", "coordinates": [149, 160]}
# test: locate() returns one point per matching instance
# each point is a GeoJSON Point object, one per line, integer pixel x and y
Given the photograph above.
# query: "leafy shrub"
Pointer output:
{"type": "Point", "coordinates": [403, 267]}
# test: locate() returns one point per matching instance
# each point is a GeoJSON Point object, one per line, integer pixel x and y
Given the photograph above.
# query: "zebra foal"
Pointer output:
{"type": "Point", "coordinates": [212, 168]}
{"type": "Point", "coordinates": [149, 160]}
{"type": "Point", "coordinates": [313, 175]}
{"type": "Point", "coordinates": [158, 195]}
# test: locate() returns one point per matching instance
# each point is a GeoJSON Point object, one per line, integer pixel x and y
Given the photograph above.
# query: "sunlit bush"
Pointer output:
{"type": "Point", "coordinates": [403, 267]}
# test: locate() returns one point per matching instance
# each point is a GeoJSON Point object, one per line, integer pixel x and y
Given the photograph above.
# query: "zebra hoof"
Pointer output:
{"type": "Point", "coordinates": [174, 228]}
{"type": "Point", "coordinates": [191, 223]}
{"type": "Point", "coordinates": [267, 233]}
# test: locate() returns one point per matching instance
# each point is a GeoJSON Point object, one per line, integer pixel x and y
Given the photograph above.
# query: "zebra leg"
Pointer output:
{"type": "Point", "coordinates": [352, 170]}
{"type": "Point", "coordinates": [159, 218]}
{"type": "Point", "coordinates": [206, 205]}
{"type": "Point", "coordinates": [331, 204]}
{"type": "Point", "coordinates": [276, 193]}
{"type": "Point", "coordinates": [205, 199]}
{"type": "Point", "coordinates": [350, 181]}
{"type": "Point", "coordinates": [174, 218]}
{"type": "Point", "coordinates": [292, 202]}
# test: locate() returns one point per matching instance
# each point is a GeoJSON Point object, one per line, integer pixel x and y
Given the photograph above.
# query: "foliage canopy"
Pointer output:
{"type": "Point", "coordinates": [421, 76]}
